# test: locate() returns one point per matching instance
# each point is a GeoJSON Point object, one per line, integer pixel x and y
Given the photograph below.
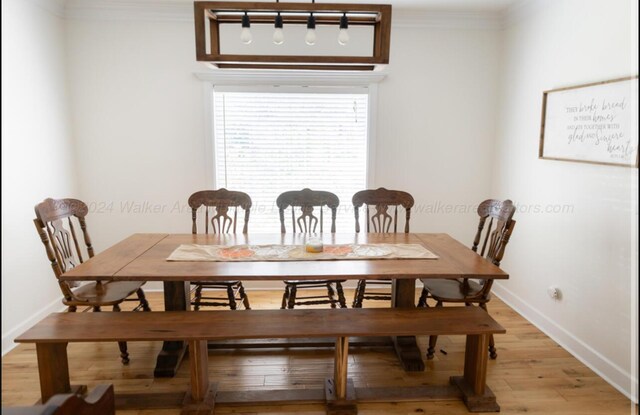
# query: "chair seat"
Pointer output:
{"type": "Point", "coordinates": [363, 291]}
{"type": "Point", "coordinates": [310, 282]}
{"type": "Point", "coordinates": [291, 298]}
{"type": "Point", "coordinates": [108, 293]}
{"type": "Point", "coordinates": [381, 281]}
{"type": "Point", "coordinates": [452, 290]}
{"type": "Point", "coordinates": [233, 292]}
{"type": "Point", "coordinates": [215, 283]}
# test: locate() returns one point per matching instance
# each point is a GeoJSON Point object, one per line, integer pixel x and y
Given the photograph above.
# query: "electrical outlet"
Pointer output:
{"type": "Point", "coordinates": [554, 293]}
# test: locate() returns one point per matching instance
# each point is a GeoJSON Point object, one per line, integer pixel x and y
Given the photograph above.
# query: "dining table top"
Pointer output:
{"type": "Point", "coordinates": [143, 257]}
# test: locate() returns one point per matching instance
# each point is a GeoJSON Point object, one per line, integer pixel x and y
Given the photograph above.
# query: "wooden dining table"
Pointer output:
{"type": "Point", "coordinates": [143, 257]}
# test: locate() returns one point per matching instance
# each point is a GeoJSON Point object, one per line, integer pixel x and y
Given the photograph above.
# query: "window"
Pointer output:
{"type": "Point", "coordinates": [269, 142]}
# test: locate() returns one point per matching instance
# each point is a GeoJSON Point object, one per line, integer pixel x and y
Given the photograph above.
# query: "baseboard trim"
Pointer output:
{"type": "Point", "coordinates": [7, 339]}
{"type": "Point", "coordinates": [616, 376]}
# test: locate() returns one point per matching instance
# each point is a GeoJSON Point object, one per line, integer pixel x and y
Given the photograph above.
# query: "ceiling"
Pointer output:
{"type": "Point", "coordinates": [435, 5]}
{"type": "Point", "coordinates": [453, 5]}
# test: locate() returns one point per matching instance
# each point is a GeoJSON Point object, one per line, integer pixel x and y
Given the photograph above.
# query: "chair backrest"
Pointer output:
{"type": "Point", "coordinates": [64, 247]}
{"type": "Point", "coordinates": [101, 401]}
{"type": "Point", "coordinates": [219, 202]}
{"type": "Point", "coordinates": [493, 237]}
{"type": "Point", "coordinates": [501, 239]}
{"type": "Point", "coordinates": [307, 200]}
{"type": "Point", "coordinates": [382, 199]}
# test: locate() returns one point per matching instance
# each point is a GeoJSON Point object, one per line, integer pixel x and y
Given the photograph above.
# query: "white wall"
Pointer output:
{"type": "Point", "coordinates": [436, 124]}
{"type": "Point", "coordinates": [140, 124]}
{"type": "Point", "coordinates": [138, 119]}
{"type": "Point", "coordinates": [37, 157]}
{"type": "Point", "coordinates": [591, 252]}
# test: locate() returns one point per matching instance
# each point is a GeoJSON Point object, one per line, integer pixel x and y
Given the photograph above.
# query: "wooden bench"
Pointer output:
{"type": "Point", "coordinates": [52, 334]}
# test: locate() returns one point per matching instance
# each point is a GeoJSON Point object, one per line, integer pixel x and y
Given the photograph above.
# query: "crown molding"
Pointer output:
{"type": "Point", "coordinates": [181, 11]}
{"type": "Point", "coordinates": [138, 10]}
{"type": "Point", "coordinates": [291, 77]}
{"type": "Point", "coordinates": [443, 19]}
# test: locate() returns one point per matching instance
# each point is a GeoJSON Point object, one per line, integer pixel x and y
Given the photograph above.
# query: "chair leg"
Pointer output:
{"type": "Point", "coordinates": [359, 294]}
{"type": "Point", "coordinates": [492, 343]}
{"type": "Point", "coordinates": [232, 298]}
{"type": "Point", "coordinates": [341, 299]}
{"type": "Point", "coordinates": [292, 297]}
{"type": "Point", "coordinates": [422, 302]}
{"type": "Point", "coordinates": [143, 300]}
{"type": "Point", "coordinates": [332, 295]}
{"type": "Point", "coordinates": [433, 340]}
{"type": "Point", "coordinates": [197, 298]}
{"type": "Point", "coordinates": [432, 346]}
{"type": "Point", "coordinates": [124, 355]}
{"type": "Point", "coordinates": [363, 290]}
{"type": "Point", "coordinates": [244, 297]}
{"type": "Point", "coordinates": [492, 347]}
{"type": "Point", "coordinates": [285, 297]}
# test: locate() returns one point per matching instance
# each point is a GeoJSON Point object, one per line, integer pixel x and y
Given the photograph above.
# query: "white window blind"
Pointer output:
{"type": "Point", "coordinates": [267, 143]}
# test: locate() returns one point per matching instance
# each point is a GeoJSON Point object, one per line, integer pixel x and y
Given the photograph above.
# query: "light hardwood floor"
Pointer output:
{"type": "Point", "coordinates": [532, 374]}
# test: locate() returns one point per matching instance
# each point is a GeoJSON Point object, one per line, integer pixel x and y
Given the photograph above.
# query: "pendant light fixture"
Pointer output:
{"type": "Point", "coordinates": [343, 36]}
{"type": "Point", "coordinates": [310, 38]}
{"type": "Point", "coordinates": [211, 16]}
{"type": "Point", "coordinates": [245, 33]}
{"type": "Point", "coordinates": [278, 33]}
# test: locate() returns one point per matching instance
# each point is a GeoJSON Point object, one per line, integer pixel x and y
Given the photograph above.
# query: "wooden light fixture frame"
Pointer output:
{"type": "Point", "coordinates": [376, 15]}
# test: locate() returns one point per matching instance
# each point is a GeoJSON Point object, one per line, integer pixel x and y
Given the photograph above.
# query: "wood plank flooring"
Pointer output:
{"type": "Point", "coordinates": [532, 374]}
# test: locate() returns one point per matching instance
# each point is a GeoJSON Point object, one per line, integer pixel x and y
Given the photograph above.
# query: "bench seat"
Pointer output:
{"type": "Point", "coordinates": [52, 334]}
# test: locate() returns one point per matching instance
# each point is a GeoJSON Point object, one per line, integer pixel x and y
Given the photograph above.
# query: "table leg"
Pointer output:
{"type": "Point", "coordinates": [403, 296]}
{"type": "Point", "coordinates": [176, 298]}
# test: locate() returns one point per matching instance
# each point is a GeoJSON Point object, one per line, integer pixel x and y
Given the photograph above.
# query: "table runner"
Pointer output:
{"type": "Point", "coordinates": [249, 253]}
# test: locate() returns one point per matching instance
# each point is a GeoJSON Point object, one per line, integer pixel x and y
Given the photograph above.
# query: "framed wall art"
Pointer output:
{"type": "Point", "coordinates": [592, 123]}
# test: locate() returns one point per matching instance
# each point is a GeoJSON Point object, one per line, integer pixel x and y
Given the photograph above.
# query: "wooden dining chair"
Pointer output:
{"type": "Point", "coordinates": [307, 222]}
{"type": "Point", "coordinates": [381, 221]}
{"type": "Point", "coordinates": [492, 239]}
{"type": "Point", "coordinates": [100, 401]}
{"type": "Point", "coordinates": [64, 247]}
{"type": "Point", "coordinates": [217, 205]}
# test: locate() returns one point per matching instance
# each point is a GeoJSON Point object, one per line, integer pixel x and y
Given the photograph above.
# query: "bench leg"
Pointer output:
{"type": "Point", "coordinates": [475, 393]}
{"type": "Point", "coordinates": [201, 399]}
{"type": "Point", "coordinates": [53, 368]}
{"type": "Point", "coordinates": [340, 367]}
{"type": "Point", "coordinates": [339, 392]}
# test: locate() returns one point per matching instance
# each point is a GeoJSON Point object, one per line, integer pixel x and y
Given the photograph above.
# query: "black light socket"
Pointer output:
{"type": "Point", "coordinates": [278, 22]}
{"type": "Point", "coordinates": [311, 22]}
{"type": "Point", "coordinates": [245, 20]}
{"type": "Point", "coordinates": [344, 22]}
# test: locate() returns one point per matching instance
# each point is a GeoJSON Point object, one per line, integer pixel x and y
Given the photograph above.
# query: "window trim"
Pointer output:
{"type": "Point", "coordinates": [289, 81]}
